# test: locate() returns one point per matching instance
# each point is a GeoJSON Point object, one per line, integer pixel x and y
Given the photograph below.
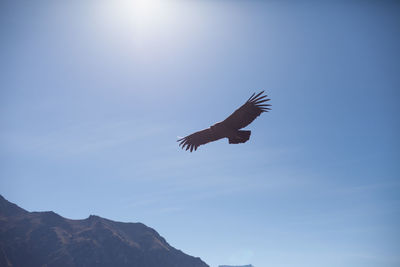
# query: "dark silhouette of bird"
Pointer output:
{"type": "Point", "coordinates": [230, 127]}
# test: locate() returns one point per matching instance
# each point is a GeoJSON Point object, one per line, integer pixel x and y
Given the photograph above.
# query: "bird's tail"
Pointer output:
{"type": "Point", "coordinates": [240, 137]}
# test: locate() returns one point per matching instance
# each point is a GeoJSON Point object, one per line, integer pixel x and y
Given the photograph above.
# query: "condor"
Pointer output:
{"type": "Point", "coordinates": [230, 127]}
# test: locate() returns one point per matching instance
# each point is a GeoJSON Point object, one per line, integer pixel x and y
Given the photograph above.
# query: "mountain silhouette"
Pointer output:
{"type": "Point", "coordinates": [47, 239]}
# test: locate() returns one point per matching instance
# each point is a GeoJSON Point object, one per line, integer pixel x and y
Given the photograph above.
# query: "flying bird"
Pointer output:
{"type": "Point", "coordinates": [230, 127]}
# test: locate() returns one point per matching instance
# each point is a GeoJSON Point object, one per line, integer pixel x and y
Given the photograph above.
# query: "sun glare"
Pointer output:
{"type": "Point", "coordinates": [140, 16]}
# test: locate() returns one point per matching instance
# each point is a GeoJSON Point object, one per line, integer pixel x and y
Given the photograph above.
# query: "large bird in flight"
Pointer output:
{"type": "Point", "coordinates": [230, 127]}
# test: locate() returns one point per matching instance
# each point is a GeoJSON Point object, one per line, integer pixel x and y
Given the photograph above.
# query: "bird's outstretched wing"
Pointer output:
{"type": "Point", "coordinates": [248, 112]}
{"type": "Point", "coordinates": [196, 139]}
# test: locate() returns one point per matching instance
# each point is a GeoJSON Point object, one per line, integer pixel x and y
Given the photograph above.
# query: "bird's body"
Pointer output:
{"type": "Point", "coordinates": [223, 130]}
{"type": "Point", "coordinates": [230, 127]}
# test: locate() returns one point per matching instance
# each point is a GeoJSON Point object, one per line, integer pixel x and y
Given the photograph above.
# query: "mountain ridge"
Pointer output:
{"type": "Point", "coordinates": [46, 238]}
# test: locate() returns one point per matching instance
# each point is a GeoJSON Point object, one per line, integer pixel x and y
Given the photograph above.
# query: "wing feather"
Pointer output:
{"type": "Point", "coordinates": [197, 139]}
{"type": "Point", "coordinates": [248, 112]}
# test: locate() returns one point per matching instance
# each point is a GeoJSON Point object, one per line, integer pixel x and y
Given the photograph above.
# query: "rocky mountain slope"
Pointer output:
{"type": "Point", "coordinates": [47, 239]}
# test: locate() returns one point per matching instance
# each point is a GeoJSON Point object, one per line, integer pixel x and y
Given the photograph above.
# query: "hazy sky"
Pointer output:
{"type": "Point", "coordinates": [94, 94]}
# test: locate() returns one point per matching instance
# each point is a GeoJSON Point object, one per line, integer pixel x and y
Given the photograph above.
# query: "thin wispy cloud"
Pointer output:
{"type": "Point", "coordinates": [81, 139]}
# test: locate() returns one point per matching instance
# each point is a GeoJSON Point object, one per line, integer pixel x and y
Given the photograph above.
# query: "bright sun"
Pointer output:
{"type": "Point", "coordinates": [142, 16]}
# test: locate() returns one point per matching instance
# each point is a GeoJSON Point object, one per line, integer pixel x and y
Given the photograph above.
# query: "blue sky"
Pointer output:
{"type": "Point", "coordinates": [94, 95]}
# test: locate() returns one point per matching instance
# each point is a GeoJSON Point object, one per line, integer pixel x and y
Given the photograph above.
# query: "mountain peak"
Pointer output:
{"type": "Point", "coordinates": [9, 209]}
